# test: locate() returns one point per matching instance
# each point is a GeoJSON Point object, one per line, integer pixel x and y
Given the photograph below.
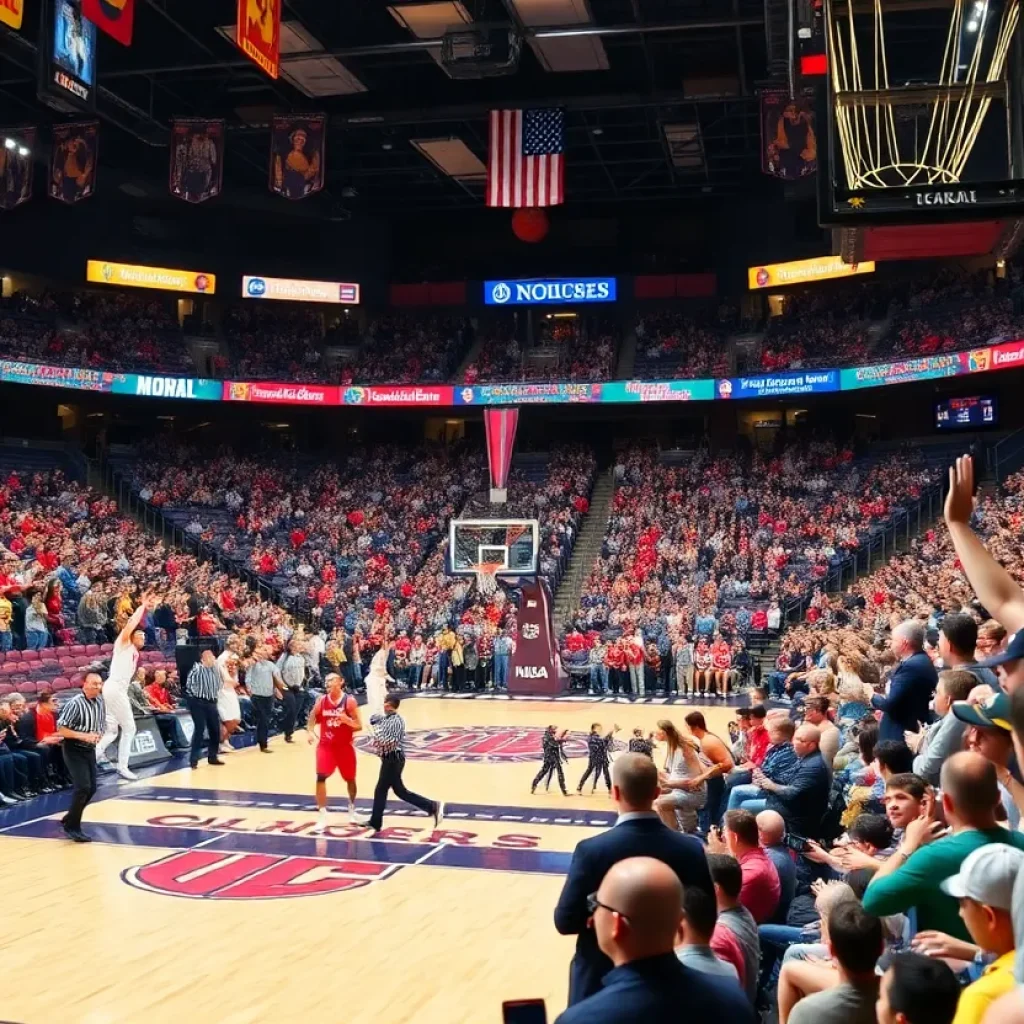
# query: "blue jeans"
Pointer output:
{"type": "Point", "coordinates": [599, 678]}
{"type": "Point", "coordinates": [754, 806]}
{"type": "Point", "coordinates": [36, 639]}
{"type": "Point", "coordinates": [6, 641]}
{"type": "Point", "coordinates": [740, 793]}
{"type": "Point", "coordinates": [501, 670]}
{"type": "Point", "coordinates": [775, 940]}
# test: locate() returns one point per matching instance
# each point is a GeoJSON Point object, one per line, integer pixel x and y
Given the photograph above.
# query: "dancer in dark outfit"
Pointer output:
{"type": "Point", "coordinates": [553, 743]}
{"type": "Point", "coordinates": [639, 745]}
{"type": "Point", "coordinates": [598, 747]}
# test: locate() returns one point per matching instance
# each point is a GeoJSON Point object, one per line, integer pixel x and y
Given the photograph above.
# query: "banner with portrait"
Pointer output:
{"type": "Point", "coordinates": [297, 155]}
{"type": "Point", "coordinates": [789, 143]}
{"type": "Point", "coordinates": [16, 167]}
{"type": "Point", "coordinates": [197, 159]}
{"type": "Point", "coordinates": [73, 161]}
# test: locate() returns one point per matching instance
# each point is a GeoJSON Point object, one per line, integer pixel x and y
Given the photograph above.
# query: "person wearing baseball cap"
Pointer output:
{"type": "Point", "coordinates": [984, 888]}
{"type": "Point", "coordinates": [990, 733]}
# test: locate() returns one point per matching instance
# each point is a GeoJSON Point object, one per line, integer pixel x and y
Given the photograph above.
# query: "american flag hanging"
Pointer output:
{"type": "Point", "coordinates": [526, 158]}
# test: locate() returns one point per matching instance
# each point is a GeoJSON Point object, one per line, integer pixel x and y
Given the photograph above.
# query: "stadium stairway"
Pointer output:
{"type": "Point", "coordinates": [586, 550]}
{"type": "Point", "coordinates": [627, 357]}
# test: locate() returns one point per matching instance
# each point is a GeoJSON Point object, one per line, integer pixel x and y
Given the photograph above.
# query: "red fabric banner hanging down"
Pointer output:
{"type": "Point", "coordinates": [500, 426]}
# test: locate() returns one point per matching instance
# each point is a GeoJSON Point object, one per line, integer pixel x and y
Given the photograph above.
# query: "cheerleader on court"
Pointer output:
{"type": "Point", "coordinates": [553, 746]}
{"type": "Point", "coordinates": [598, 747]}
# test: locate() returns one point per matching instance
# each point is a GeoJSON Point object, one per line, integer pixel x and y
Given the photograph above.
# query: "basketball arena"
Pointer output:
{"type": "Point", "coordinates": [418, 418]}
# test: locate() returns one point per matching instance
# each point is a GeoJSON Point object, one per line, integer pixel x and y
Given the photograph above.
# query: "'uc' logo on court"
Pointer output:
{"type": "Point", "coordinates": [207, 875]}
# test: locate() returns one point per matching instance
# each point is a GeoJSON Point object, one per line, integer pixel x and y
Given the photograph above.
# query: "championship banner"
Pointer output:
{"type": "Point", "coordinates": [258, 33]}
{"type": "Point", "coordinates": [115, 17]}
{"type": "Point", "coordinates": [789, 146]}
{"type": "Point", "coordinates": [16, 171]}
{"type": "Point", "coordinates": [197, 159]}
{"type": "Point", "coordinates": [73, 161]}
{"type": "Point", "coordinates": [297, 155]}
{"type": "Point", "coordinates": [12, 12]}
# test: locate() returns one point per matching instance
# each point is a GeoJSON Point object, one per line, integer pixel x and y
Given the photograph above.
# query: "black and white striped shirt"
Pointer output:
{"type": "Point", "coordinates": [389, 731]}
{"type": "Point", "coordinates": [203, 682]}
{"type": "Point", "coordinates": [81, 714]}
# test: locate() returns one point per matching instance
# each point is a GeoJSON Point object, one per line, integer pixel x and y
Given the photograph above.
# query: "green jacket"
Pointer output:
{"type": "Point", "coordinates": [916, 883]}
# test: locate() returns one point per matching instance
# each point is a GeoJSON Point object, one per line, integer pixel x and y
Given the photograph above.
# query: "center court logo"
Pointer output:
{"type": "Point", "coordinates": [488, 744]}
{"type": "Point", "coordinates": [502, 293]}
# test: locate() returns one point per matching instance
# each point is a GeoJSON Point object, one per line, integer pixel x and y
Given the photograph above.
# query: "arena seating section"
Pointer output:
{"type": "Point", "coordinates": [830, 324]}
{"type": "Point", "coordinates": [51, 523]}
{"type": "Point", "coordinates": [701, 532]}
{"type": "Point", "coordinates": [353, 540]}
{"type": "Point", "coordinates": [111, 330]}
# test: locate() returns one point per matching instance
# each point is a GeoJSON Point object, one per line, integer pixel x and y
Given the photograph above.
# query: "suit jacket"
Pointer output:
{"type": "Point", "coordinates": [660, 988]}
{"type": "Point", "coordinates": [910, 691]}
{"type": "Point", "coordinates": [635, 837]}
{"type": "Point", "coordinates": [804, 799]}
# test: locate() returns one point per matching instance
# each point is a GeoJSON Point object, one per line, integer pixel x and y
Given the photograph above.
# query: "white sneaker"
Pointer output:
{"type": "Point", "coordinates": [226, 748]}
{"type": "Point", "coordinates": [321, 821]}
{"type": "Point", "coordinates": [351, 814]}
{"type": "Point", "coordinates": [127, 775]}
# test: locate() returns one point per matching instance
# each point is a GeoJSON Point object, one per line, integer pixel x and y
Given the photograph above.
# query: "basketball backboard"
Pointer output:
{"type": "Point", "coordinates": [506, 547]}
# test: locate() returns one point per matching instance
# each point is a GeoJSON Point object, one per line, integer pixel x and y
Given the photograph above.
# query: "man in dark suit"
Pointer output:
{"type": "Point", "coordinates": [636, 913]}
{"type": "Point", "coordinates": [639, 832]}
{"type": "Point", "coordinates": [803, 800]}
{"type": "Point", "coordinates": [911, 687]}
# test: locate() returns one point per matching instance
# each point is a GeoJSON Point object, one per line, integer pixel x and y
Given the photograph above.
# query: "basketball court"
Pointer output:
{"type": "Point", "coordinates": [207, 896]}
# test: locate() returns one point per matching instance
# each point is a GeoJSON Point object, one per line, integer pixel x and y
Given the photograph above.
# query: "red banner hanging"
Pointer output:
{"type": "Point", "coordinates": [500, 427]}
{"type": "Point", "coordinates": [258, 33]}
{"type": "Point", "coordinates": [115, 17]}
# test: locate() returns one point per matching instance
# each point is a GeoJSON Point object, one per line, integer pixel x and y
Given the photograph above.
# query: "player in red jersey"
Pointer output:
{"type": "Point", "coordinates": [337, 714]}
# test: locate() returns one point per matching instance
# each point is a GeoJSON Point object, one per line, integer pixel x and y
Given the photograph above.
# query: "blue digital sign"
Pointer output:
{"type": "Point", "coordinates": [798, 382]}
{"type": "Point", "coordinates": [557, 291]}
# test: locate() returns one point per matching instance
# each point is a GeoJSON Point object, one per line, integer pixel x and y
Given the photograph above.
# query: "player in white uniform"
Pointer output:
{"type": "Point", "coordinates": [123, 663]}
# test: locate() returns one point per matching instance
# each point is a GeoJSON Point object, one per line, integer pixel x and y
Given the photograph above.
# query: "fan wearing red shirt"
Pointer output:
{"type": "Point", "coordinates": [761, 887]}
{"type": "Point", "coordinates": [758, 740]}
{"type": "Point", "coordinates": [721, 662]}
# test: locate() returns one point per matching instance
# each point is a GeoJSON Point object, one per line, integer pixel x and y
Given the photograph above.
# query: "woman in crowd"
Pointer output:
{"type": "Point", "coordinates": [721, 663]}
{"type": "Point", "coordinates": [702, 667]}
{"type": "Point", "coordinates": [37, 635]}
{"type": "Point", "coordinates": [682, 794]}
{"type": "Point", "coordinates": [229, 709]}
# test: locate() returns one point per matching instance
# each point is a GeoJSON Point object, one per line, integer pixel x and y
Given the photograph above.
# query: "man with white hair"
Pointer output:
{"type": "Point", "coordinates": [912, 685]}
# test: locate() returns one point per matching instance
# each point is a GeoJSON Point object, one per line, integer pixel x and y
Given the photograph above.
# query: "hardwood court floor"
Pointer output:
{"type": "Point", "coordinates": [180, 909]}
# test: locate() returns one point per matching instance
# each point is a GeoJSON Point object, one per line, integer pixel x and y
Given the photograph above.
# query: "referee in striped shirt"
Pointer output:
{"type": "Point", "coordinates": [201, 689]}
{"type": "Point", "coordinates": [389, 733]}
{"type": "Point", "coordinates": [80, 723]}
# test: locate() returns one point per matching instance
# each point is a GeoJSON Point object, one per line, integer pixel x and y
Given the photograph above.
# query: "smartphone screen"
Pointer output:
{"type": "Point", "coordinates": [524, 1011]}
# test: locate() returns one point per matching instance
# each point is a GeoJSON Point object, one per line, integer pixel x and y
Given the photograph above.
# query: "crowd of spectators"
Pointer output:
{"type": "Point", "coordinates": [362, 545]}
{"type": "Point", "coordinates": [676, 344]}
{"type": "Point", "coordinates": [273, 341]}
{"type": "Point", "coordinates": [410, 350]}
{"type": "Point", "coordinates": [720, 538]}
{"type": "Point", "coordinates": [95, 330]}
{"type": "Point", "coordinates": [867, 866]}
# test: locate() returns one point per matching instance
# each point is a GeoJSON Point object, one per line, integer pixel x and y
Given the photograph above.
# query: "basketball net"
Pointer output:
{"type": "Point", "coordinates": [487, 578]}
{"type": "Point", "coordinates": [866, 108]}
